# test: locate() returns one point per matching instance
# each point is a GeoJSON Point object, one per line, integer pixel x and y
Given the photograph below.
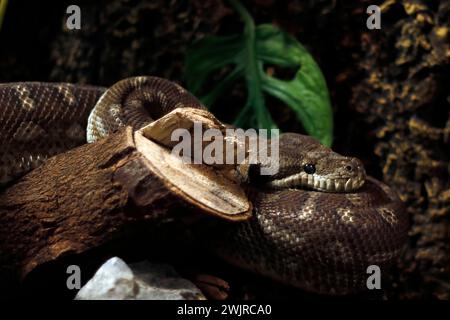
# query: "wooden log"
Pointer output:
{"type": "Point", "coordinates": [88, 196]}
{"type": "Point", "coordinates": [69, 204]}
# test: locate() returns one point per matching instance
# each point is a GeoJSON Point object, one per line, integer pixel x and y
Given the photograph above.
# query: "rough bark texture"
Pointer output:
{"type": "Point", "coordinates": [389, 89]}
{"type": "Point", "coordinates": [52, 213]}
{"type": "Point", "coordinates": [404, 99]}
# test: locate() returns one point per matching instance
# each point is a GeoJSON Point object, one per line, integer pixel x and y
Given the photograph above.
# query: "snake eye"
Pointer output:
{"type": "Point", "coordinates": [309, 168]}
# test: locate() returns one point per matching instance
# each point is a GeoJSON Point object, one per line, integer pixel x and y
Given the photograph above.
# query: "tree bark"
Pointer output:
{"type": "Point", "coordinates": [77, 201]}
{"type": "Point", "coordinates": [81, 199]}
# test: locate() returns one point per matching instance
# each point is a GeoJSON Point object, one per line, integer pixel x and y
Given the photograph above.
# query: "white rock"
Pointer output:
{"type": "Point", "coordinates": [115, 280]}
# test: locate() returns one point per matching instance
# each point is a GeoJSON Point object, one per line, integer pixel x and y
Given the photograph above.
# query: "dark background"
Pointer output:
{"type": "Point", "coordinates": [389, 88]}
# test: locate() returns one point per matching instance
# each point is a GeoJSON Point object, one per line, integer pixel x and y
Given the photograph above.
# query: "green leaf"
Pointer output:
{"type": "Point", "coordinates": [211, 54]}
{"type": "Point", "coordinates": [245, 56]}
{"type": "Point", "coordinates": [307, 93]}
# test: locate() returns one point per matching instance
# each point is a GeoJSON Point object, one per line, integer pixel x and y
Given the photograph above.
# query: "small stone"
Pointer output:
{"type": "Point", "coordinates": [115, 280]}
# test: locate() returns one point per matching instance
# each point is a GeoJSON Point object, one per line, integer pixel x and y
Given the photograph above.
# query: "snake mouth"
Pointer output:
{"type": "Point", "coordinates": [337, 185]}
{"type": "Point", "coordinates": [320, 183]}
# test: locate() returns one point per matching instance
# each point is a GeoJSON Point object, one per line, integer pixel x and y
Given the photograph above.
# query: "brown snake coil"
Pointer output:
{"type": "Point", "coordinates": [318, 241]}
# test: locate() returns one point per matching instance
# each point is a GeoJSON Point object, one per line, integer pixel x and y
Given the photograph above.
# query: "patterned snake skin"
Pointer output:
{"type": "Point", "coordinates": [318, 241]}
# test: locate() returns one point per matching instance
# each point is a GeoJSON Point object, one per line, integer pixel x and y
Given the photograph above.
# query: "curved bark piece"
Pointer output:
{"type": "Point", "coordinates": [87, 196]}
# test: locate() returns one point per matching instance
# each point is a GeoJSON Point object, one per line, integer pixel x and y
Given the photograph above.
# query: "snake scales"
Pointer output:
{"type": "Point", "coordinates": [318, 241]}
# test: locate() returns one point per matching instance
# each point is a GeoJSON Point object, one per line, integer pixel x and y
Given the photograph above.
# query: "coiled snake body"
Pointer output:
{"type": "Point", "coordinates": [321, 240]}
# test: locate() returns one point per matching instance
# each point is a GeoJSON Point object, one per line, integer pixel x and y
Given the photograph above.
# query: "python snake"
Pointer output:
{"type": "Point", "coordinates": [318, 241]}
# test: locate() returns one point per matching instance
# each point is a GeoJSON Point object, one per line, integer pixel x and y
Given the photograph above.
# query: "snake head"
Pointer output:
{"type": "Point", "coordinates": [305, 163]}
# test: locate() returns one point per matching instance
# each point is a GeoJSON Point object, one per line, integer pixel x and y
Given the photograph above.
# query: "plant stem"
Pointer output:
{"type": "Point", "coordinates": [252, 73]}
